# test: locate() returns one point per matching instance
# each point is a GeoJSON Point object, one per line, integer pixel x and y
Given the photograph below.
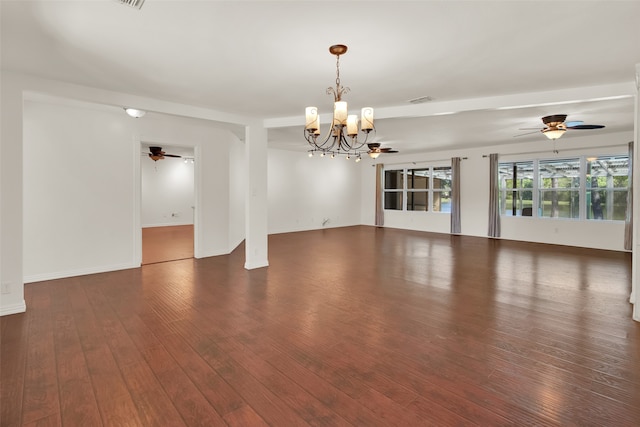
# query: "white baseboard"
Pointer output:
{"type": "Point", "coordinates": [256, 264]}
{"type": "Point", "coordinates": [309, 228]}
{"type": "Point", "coordinates": [6, 310]}
{"type": "Point", "coordinates": [78, 272]}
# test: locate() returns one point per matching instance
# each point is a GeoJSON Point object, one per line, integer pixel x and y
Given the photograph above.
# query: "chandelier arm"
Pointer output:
{"type": "Point", "coordinates": [323, 145]}
{"type": "Point", "coordinates": [366, 138]}
{"type": "Point", "coordinates": [357, 144]}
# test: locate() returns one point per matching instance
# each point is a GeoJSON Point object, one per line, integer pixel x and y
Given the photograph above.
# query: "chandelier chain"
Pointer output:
{"type": "Point", "coordinates": [338, 73]}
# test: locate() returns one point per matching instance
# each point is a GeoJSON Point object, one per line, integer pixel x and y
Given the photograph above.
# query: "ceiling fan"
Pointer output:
{"type": "Point", "coordinates": [156, 153]}
{"type": "Point", "coordinates": [375, 150]}
{"type": "Point", "coordinates": [555, 126]}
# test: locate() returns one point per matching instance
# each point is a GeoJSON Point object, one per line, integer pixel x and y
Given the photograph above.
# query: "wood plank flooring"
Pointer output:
{"type": "Point", "coordinates": [355, 326]}
{"type": "Point", "coordinates": [170, 243]}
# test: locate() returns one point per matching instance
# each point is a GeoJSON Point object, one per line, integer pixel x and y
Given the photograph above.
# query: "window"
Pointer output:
{"type": "Point", "coordinates": [393, 186]}
{"type": "Point", "coordinates": [441, 189]}
{"type": "Point", "coordinates": [559, 188]}
{"type": "Point", "coordinates": [607, 187]}
{"type": "Point", "coordinates": [420, 189]}
{"type": "Point", "coordinates": [516, 184]}
{"type": "Point", "coordinates": [417, 189]}
{"type": "Point", "coordinates": [592, 188]}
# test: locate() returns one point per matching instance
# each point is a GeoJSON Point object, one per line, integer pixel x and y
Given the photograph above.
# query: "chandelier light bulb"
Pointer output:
{"type": "Point", "coordinates": [312, 119]}
{"type": "Point", "coordinates": [352, 125]}
{"type": "Point", "coordinates": [366, 119]}
{"type": "Point", "coordinates": [340, 113]}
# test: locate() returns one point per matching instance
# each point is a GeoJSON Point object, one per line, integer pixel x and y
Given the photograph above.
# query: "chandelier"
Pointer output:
{"type": "Point", "coordinates": [342, 136]}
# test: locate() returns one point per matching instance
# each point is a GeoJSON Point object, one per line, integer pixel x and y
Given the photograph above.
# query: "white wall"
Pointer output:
{"type": "Point", "coordinates": [80, 186]}
{"type": "Point", "coordinates": [167, 191]}
{"type": "Point", "coordinates": [11, 288]}
{"type": "Point", "coordinates": [78, 191]}
{"type": "Point", "coordinates": [304, 192]}
{"type": "Point", "coordinates": [237, 189]}
{"type": "Point", "coordinates": [475, 194]}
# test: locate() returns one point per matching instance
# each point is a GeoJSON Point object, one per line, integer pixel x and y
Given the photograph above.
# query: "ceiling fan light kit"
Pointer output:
{"type": "Point", "coordinates": [342, 136]}
{"type": "Point", "coordinates": [555, 126]}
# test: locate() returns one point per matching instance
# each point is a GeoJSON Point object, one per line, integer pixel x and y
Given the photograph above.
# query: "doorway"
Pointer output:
{"type": "Point", "coordinates": [167, 203]}
{"type": "Point", "coordinates": [167, 243]}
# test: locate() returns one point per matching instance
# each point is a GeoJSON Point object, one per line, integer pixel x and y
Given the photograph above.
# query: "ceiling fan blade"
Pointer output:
{"type": "Point", "coordinates": [573, 123]}
{"type": "Point", "coordinates": [529, 129]}
{"type": "Point", "coordinates": [385, 150]}
{"type": "Point", "coordinates": [586, 127]}
{"type": "Point", "coordinates": [528, 133]}
{"type": "Point", "coordinates": [171, 155]}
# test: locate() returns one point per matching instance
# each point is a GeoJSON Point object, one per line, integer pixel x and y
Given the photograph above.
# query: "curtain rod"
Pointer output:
{"type": "Point", "coordinates": [576, 148]}
{"type": "Point", "coordinates": [421, 161]}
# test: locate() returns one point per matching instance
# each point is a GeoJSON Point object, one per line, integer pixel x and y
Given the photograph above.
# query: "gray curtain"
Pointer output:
{"type": "Point", "coordinates": [628, 223]}
{"type": "Point", "coordinates": [494, 197]}
{"type": "Point", "coordinates": [456, 226]}
{"type": "Point", "coordinates": [379, 207]}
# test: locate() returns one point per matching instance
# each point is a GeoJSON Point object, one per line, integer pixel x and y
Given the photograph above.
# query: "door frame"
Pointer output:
{"type": "Point", "coordinates": [137, 197]}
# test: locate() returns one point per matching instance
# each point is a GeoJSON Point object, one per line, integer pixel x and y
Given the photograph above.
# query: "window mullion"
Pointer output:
{"type": "Point", "coordinates": [583, 188]}
{"type": "Point", "coordinates": [405, 193]}
{"type": "Point", "coordinates": [536, 190]}
{"type": "Point", "coordinates": [430, 190]}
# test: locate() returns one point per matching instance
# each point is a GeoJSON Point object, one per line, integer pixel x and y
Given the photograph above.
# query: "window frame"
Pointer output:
{"type": "Point", "coordinates": [514, 190]}
{"type": "Point", "coordinates": [408, 192]}
{"type": "Point", "coordinates": [580, 191]}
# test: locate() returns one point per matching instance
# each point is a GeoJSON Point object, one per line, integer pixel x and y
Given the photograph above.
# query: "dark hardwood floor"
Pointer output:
{"type": "Point", "coordinates": [170, 243]}
{"type": "Point", "coordinates": [352, 326]}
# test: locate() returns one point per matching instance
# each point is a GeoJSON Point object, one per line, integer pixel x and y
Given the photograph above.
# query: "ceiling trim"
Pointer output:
{"type": "Point", "coordinates": [503, 102]}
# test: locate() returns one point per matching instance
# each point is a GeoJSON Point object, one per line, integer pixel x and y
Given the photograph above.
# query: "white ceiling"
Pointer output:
{"type": "Point", "coordinates": [270, 59]}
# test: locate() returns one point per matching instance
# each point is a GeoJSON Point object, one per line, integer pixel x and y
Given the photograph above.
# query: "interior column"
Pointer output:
{"type": "Point", "coordinates": [256, 197]}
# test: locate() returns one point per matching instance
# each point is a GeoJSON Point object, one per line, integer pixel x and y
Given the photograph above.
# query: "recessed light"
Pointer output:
{"type": "Point", "coordinates": [135, 113]}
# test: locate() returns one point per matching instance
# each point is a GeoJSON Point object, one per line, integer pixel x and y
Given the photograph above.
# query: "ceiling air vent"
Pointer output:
{"type": "Point", "coordinates": [421, 100]}
{"type": "Point", "coordinates": [132, 3]}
